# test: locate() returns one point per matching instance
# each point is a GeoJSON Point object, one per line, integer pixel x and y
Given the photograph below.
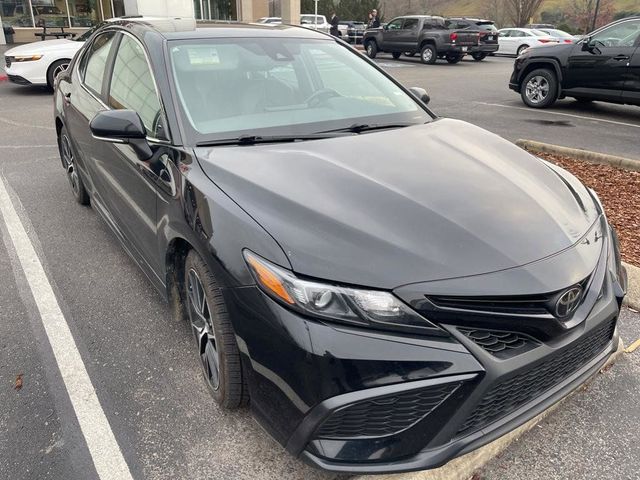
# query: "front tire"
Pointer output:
{"type": "Point", "coordinates": [218, 351]}
{"type": "Point", "coordinates": [521, 49]}
{"type": "Point", "coordinates": [68, 162]}
{"type": "Point", "coordinates": [539, 88]}
{"type": "Point", "coordinates": [55, 68]}
{"type": "Point", "coordinates": [428, 54]}
{"type": "Point", "coordinates": [372, 49]}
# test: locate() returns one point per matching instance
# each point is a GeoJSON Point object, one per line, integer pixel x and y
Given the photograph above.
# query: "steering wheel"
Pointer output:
{"type": "Point", "coordinates": [321, 96]}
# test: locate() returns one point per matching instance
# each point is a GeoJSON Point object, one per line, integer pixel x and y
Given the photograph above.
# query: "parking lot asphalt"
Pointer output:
{"type": "Point", "coordinates": [141, 362]}
{"type": "Point", "coordinates": [478, 92]}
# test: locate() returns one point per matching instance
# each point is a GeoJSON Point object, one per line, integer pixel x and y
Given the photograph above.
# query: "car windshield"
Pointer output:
{"type": "Point", "coordinates": [280, 86]}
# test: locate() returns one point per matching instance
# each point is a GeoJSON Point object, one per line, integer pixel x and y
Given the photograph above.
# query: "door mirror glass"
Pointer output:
{"type": "Point", "coordinates": [421, 94]}
{"type": "Point", "coordinates": [122, 126]}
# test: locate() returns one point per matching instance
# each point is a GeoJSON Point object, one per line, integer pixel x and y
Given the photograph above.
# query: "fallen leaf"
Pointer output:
{"type": "Point", "coordinates": [18, 384]}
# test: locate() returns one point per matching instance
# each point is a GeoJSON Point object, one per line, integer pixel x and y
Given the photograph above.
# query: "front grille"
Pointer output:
{"type": "Point", "coordinates": [499, 343]}
{"type": "Point", "coordinates": [543, 304]}
{"type": "Point", "coordinates": [7, 61]}
{"type": "Point", "coordinates": [385, 415]}
{"type": "Point", "coordinates": [511, 394]}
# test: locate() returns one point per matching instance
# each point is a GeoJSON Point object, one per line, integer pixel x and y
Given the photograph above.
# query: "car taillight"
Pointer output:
{"type": "Point", "coordinates": [567, 40]}
{"type": "Point", "coordinates": [453, 36]}
{"type": "Point", "coordinates": [544, 40]}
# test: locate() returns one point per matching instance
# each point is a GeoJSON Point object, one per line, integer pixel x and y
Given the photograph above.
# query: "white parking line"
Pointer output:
{"type": "Point", "coordinates": [547, 112]}
{"type": "Point", "coordinates": [103, 447]}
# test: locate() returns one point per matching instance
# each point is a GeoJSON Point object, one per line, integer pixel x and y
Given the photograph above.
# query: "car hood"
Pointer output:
{"type": "Point", "coordinates": [549, 49]}
{"type": "Point", "coordinates": [43, 48]}
{"type": "Point", "coordinates": [441, 200]}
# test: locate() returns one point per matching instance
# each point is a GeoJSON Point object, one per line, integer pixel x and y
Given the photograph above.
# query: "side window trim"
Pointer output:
{"type": "Point", "coordinates": [155, 86]}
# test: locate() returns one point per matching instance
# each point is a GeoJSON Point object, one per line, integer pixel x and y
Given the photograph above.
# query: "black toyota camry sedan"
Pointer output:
{"type": "Point", "coordinates": [387, 289]}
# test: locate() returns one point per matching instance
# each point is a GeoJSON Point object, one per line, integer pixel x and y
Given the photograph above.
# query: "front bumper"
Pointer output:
{"type": "Point", "coordinates": [356, 400]}
{"type": "Point", "coordinates": [27, 73]}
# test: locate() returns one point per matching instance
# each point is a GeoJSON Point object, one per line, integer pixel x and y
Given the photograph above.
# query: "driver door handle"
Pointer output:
{"type": "Point", "coordinates": [619, 58]}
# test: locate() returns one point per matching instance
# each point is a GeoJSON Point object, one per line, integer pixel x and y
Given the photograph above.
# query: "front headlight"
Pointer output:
{"type": "Point", "coordinates": [373, 308]}
{"type": "Point", "coordinates": [26, 58]}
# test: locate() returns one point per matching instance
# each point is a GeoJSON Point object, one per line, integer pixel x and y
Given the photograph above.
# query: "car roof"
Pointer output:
{"type": "Point", "coordinates": [185, 28]}
{"type": "Point", "coordinates": [471, 19]}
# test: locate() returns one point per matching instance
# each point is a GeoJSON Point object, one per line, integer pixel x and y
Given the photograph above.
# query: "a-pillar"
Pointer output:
{"type": "Point", "coordinates": [290, 11]}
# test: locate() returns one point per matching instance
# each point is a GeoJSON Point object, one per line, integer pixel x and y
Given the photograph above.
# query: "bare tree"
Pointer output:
{"type": "Point", "coordinates": [520, 12]}
{"type": "Point", "coordinates": [495, 10]}
{"type": "Point", "coordinates": [582, 12]}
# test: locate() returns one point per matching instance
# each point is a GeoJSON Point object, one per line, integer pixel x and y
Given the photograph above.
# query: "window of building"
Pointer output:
{"type": "Point", "coordinates": [215, 9]}
{"type": "Point", "coordinates": [53, 13]}
{"type": "Point", "coordinates": [132, 84]}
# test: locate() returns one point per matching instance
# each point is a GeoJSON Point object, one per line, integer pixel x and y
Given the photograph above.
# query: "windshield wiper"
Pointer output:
{"type": "Point", "coordinates": [255, 139]}
{"type": "Point", "coordinates": [367, 127]}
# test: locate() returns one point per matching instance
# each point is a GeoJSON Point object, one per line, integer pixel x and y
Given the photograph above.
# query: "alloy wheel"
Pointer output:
{"type": "Point", "coordinates": [427, 54]}
{"type": "Point", "coordinates": [537, 89]}
{"type": "Point", "coordinates": [67, 157]}
{"type": "Point", "coordinates": [59, 69]}
{"type": "Point", "coordinates": [202, 326]}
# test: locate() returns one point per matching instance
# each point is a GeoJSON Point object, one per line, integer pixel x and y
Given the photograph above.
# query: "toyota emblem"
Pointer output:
{"type": "Point", "coordinates": [568, 302]}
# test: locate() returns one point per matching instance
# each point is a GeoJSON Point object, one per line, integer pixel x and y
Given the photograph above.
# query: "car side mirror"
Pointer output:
{"type": "Point", "coordinates": [386, 27]}
{"type": "Point", "coordinates": [122, 126]}
{"type": "Point", "coordinates": [421, 94]}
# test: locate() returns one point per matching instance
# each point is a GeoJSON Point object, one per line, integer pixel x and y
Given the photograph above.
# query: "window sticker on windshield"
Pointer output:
{"type": "Point", "coordinates": [203, 56]}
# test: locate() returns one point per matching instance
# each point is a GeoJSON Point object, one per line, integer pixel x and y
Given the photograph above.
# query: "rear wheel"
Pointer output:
{"type": "Point", "coordinates": [396, 55]}
{"type": "Point", "coordinates": [372, 49]}
{"type": "Point", "coordinates": [539, 88]}
{"type": "Point", "coordinates": [428, 54]}
{"type": "Point", "coordinates": [55, 68]}
{"type": "Point", "coordinates": [68, 161]}
{"type": "Point", "coordinates": [215, 338]}
{"type": "Point", "coordinates": [522, 48]}
{"type": "Point", "coordinates": [479, 56]}
{"type": "Point", "coordinates": [453, 59]}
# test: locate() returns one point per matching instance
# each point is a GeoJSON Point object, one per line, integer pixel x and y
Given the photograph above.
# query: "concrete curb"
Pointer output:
{"type": "Point", "coordinates": [586, 155]}
{"type": "Point", "coordinates": [463, 468]}
{"type": "Point", "coordinates": [633, 290]}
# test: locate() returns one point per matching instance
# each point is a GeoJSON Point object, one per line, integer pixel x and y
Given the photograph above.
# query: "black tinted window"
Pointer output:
{"type": "Point", "coordinates": [410, 23]}
{"type": "Point", "coordinates": [95, 61]}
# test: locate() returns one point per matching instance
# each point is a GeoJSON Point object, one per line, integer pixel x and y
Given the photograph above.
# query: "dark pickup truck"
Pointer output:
{"type": "Point", "coordinates": [425, 34]}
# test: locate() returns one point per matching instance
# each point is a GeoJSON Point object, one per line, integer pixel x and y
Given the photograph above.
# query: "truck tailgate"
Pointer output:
{"type": "Point", "coordinates": [466, 38]}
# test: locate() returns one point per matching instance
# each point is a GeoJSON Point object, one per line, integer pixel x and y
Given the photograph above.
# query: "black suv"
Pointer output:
{"type": "Point", "coordinates": [488, 41]}
{"type": "Point", "coordinates": [603, 66]}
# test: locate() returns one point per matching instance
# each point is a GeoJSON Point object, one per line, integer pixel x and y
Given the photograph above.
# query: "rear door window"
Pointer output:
{"type": "Point", "coordinates": [94, 62]}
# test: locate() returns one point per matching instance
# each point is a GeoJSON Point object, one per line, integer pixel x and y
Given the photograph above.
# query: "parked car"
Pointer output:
{"type": "Point", "coordinates": [560, 35]}
{"type": "Point", "coordinates": [488, 35]}
{"type": "Point", "coordinates": [38, 63]}
{"type": "Point", "coordinates": [425, 34]}
{"type": "Point", "coordinates": [319, 22]}
{"type": "Point", "coordinates": [385, 311]}
{"type": "Point", "coordinates": [513, 41]}
{"type": "Point", "coordinates": [352, 31]}
{"type": "Point", "coordinates": [602, 67]}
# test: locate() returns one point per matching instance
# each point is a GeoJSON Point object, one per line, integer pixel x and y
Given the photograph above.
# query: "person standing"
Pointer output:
{"type": "Point", "coordinates": [374, 21]}
{"type": "Point", "coordinates": [335, 21]}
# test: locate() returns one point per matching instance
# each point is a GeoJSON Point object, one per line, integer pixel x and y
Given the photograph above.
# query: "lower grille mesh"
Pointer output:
{"type": "Point", "coordinates": [385, 415]}
{"type": "Point", "coordinates": [514, 392]}
{"type": "Point", "coordinates": [500, 344]}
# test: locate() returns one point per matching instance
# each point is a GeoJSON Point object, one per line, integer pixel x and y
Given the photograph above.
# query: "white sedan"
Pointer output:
{"type": "Point", "coordinates": [38, 63]}
{"type": "Point", "coordinates": [514, 41]}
